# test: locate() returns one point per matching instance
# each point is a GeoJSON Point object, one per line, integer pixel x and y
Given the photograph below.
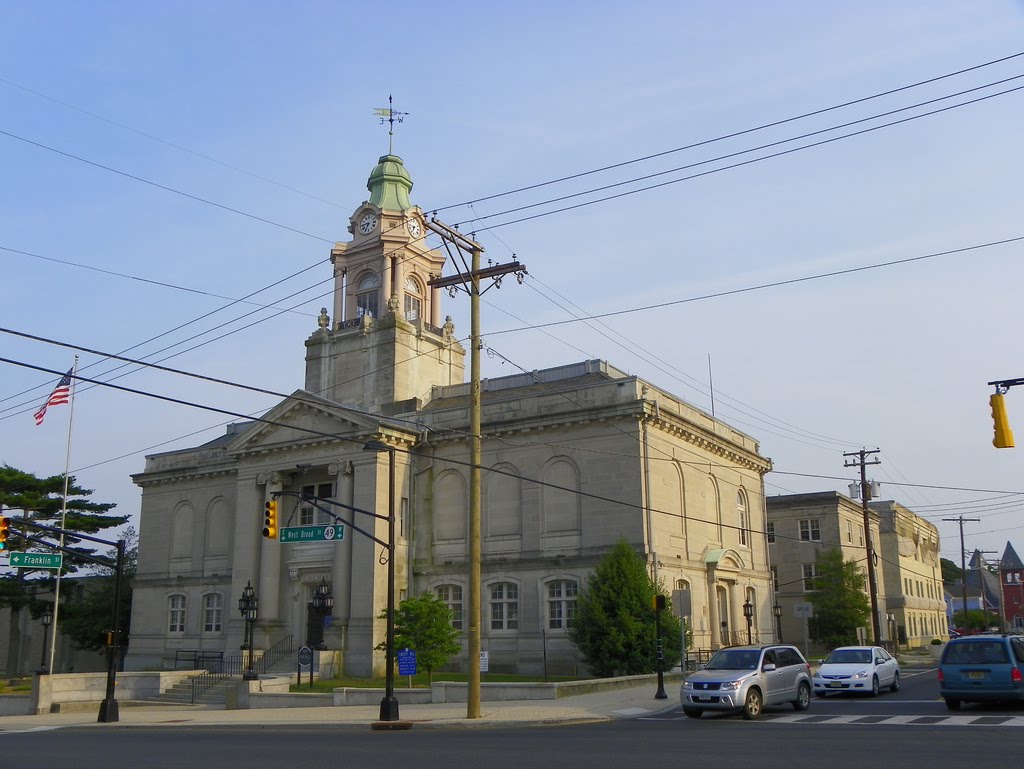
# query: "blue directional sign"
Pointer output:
{"type": "Point", "coordinates": [406, 662]}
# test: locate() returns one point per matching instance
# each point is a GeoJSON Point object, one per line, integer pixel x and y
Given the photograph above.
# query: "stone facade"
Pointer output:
{"type": "Point", "coordinates": [574, 459]}
{"type": "Point", "coordinates": [908, 577]}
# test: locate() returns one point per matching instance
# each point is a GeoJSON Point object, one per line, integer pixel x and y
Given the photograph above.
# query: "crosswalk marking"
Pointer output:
{"type": "Point", "coordinates": [860, 720]}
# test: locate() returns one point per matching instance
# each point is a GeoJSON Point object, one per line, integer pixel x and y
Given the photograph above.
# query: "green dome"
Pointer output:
{"type": "Point", "coordinates": [389, 184]}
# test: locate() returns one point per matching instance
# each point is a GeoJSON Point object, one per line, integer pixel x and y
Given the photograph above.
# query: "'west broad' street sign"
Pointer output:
{"type": "Point", "coordinates": [37, 560]}
{"type": "Point", "coordinates": [311, 533]}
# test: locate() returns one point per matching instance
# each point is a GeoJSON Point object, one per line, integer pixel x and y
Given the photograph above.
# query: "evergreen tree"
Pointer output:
{"type": "Point", "coordinates": [24, 496]}
{"type": "Point", "coordinates": [424, 624]}
{"type": "Point", "coordinates": [614, 628]}
{"type": "Point", "coordinates": [951, 573]}
{"type": "Point", "coordinates": [840, 603]}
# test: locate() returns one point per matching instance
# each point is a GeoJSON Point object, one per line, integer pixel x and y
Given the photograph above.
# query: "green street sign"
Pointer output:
{"type": "Point", "coordinates": [37, 560]}
{"type": "Point", "coordinates": [312, 533]}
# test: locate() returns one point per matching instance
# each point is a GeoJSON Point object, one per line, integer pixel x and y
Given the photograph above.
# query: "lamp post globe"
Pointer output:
{"type": "Point", "coordinates": [323, 603]}
{"type": "Point", "coordinates": [748, 613]}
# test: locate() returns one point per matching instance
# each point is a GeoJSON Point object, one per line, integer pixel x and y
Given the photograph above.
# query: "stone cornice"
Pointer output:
{"type": "Point", "coordinates": [179, 474]}
{"type": "Point", "coordinates": [687, 432]}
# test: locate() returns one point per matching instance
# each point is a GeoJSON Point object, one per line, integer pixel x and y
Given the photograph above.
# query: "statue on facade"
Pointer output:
{"type": "Point", "coordinates": [324, 321]}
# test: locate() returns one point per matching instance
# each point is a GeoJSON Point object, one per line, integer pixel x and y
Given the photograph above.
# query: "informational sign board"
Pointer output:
{"type": "Point", "coordinates": [483, 661]}
{"type": "Point", "coordinates": [406, 662]}
{"type": "Point", "coordinates": [305, 656]}
{"type": "Point", "coordinates": [312, 533]}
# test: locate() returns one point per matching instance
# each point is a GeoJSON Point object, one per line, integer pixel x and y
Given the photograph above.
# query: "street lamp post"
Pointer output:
{"type": "Point", "coordinates": [389, 705]}
{"type": "Point", "coordinates": [777, 612]}
{"type": "Point", "coordinates": [323, 602]}
{"type": "Point", "coordinates": [748, 613]}
{"type": "Point", "coordinates": [247, 606]}
{"type": "Point", "coordinates": [47, 619]}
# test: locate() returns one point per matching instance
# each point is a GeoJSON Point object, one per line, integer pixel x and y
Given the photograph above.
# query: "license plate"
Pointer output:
{"type": "Point", "coordinates": [835, 684]}
{"type": "Point", "coordinates": [976, 675]}
{"type": "Point", "coordinates": [705, 697]}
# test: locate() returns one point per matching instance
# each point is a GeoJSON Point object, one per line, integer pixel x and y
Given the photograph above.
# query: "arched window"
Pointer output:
{"type": "Point", "coordinates": [504, 606]}
{"type": "Point", "coordinates": [213, 612]}
{"type": "Point", "coordinates": [176, 614]}
{"type": "Point", "coordinates": [367, 291]}
{"type": "Point", "coordinates": [562, 603]}
{"type": "Point", "coordinates": [452, 597]}
{"type": "Point", "coordinates": [742, 518]}
{"type": "Point", "coordinates": [413, 299]}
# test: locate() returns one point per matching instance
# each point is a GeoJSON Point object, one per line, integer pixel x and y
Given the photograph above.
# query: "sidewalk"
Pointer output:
{"type": "Point", "coordinates": [601, 706]}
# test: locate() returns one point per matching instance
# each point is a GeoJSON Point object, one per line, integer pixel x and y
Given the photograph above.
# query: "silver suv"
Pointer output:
{"type": "Point", "coordinates": [746, 678]}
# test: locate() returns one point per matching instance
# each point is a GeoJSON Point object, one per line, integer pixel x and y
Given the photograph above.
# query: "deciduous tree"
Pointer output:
{"type": "Point", "coordinates": [840, 603]}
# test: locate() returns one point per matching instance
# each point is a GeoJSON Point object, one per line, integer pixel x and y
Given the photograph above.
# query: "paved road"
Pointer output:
{"type": "Point", "coordinates": [916, 704]}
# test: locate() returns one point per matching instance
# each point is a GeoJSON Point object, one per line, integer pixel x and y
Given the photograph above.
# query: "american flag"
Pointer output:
{"type": "Point", "coordinates": [59, 396]}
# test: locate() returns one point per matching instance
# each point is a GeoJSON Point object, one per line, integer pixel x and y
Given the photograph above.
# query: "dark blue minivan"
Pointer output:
{"type": "Point", "coordinates": [982, 668]}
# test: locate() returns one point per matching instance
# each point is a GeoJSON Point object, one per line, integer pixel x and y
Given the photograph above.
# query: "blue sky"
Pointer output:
{"type": "Point", "coordinates": [266, 108]}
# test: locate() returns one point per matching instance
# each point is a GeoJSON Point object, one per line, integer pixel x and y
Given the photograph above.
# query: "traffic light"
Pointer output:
{"type": "Point", "coordinates": [1004, 435]}
{"type": "Point", "coordinates": [270, 524]}
{"type": "Point", "coordinates": [5, 529]}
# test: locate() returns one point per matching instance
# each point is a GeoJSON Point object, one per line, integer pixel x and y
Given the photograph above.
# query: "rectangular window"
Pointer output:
{"type": "Point", "coordinates": [561, 603]}
{"type": "Point", "coordinates": [810, 530]}
{"type": "Point", "coordinates": [412, 307]}
{"type": "Point", "coordinates": [452, 596]}
{"type": "Point", "coordinates": [769, 531]}
{"type": "Point", "coordinates": [504, 606]}
{"type": "Point", "coordinates": [775, 578]}
{"type": "Point", "coordinates": [810, 572]}
{"type": "Point", "coordinates": [849, 531]}
{"type": "Point", "coordinates": [403, 519]}
{"type": "Point", "coordinates": [309, 514]}
{"type": "Point", "coordinates": [366, 304]}
{"type": "Point", "coordinates": [176, 614]}
{"type": "Point", "coordinates": [213, 613]}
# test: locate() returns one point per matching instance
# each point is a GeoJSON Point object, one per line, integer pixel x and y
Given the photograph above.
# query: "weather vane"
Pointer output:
{"type": "Point", "coordinates": [391, 116]}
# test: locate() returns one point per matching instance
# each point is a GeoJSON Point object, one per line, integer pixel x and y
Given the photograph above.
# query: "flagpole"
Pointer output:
{"type": "Point", "coordinates": [63, 515]}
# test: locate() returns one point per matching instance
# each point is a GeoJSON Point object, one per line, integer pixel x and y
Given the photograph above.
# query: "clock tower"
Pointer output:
{"type": "Point", "coordinates": [386, 343]}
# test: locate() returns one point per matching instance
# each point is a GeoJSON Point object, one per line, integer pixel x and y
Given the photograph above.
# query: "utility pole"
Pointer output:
{"type": "Point", "coordinates": [862, 462]}
{"type": "Point", "coordinates": [963, 560]}
{"type": "Point", "coordinates": [469, 281]}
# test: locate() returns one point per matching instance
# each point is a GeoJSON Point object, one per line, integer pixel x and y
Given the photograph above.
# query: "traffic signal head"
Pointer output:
{"type": "Point", "coordinates": [270, 520]}
{"type": "Point", "coordinates": [5, 530]}
{"type": "Point", "coordinates": [1004, 435]}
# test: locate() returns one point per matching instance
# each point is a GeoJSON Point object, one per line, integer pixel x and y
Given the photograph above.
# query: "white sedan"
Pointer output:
{"type": "Point", "coordinates": [857, 669]}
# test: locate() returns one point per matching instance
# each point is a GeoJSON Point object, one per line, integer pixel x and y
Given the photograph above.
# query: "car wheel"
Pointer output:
{"type": "Point", "coordinates": [874, 686]}
{"type": "Point", "coordinates": [952, 704]}
{"type": "Point", "coordinates": [803, 697]}
{"type": "Point", "coordinates": [693, 712]}
{"type": "Point", "coordinates": [895, 683]}
{"type": "Point", "coordinates": [752, 705]}
{"type": "Point", "coordinates": [819, 695]}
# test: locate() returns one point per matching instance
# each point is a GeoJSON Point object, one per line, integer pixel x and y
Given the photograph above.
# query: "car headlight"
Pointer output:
{"type": "Point", "coordinates": [860, 674]}
{"type": "Point", "coordinates": [687, 684]}
{"type": "Point", "coordinates": [730, 685]}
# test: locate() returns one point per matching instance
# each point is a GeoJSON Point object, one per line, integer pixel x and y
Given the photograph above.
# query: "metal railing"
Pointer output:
{"type": "Point", "coordinates": [226, 664]}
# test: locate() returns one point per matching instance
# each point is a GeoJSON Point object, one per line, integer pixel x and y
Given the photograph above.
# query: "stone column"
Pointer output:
{"type": "Point", "coordinates": [716, 629]}
{"type": "Point", "coordinates": [269, 591]}
{"type": "Point", "coordinates": [435, 307]}
{"type": "Point", "coordinates": [341, 563]}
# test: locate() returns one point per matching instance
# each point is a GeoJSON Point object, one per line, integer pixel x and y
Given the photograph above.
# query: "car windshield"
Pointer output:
{"type": "Point", "coordinates": [734, 659]}
{"type": "Point", "coordinates": [848, 657]}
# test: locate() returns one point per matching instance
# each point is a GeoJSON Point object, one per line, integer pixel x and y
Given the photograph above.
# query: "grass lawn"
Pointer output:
{"type": "Point", "coordinates": [15, 685]}
{"type": "Point", "coordinates": [418, 681]}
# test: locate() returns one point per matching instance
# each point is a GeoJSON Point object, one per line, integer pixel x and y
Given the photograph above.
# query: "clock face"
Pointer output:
{"type": "Point", "coordinates": [414, 228]}
{"type": "Point", "coordinates": [368, 223]}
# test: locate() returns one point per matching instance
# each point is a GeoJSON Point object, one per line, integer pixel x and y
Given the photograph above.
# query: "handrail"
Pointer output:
{"type": "Point", "coordinates": [233, 663]}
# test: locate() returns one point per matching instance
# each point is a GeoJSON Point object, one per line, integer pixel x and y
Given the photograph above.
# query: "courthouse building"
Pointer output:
{"type": "Point", "coordinates": [575, 458]}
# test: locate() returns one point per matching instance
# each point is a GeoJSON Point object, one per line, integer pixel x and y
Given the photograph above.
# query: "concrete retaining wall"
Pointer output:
{"type": "Point", "coordinates": [16, 705]}
{"type": "Point", "coordinates": [67, 691]}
